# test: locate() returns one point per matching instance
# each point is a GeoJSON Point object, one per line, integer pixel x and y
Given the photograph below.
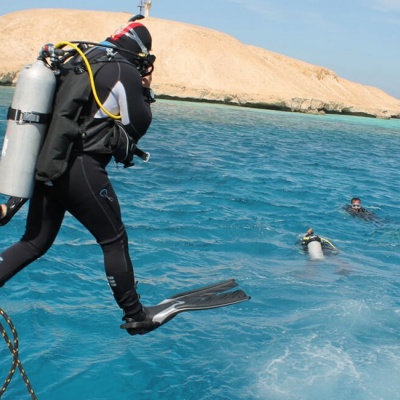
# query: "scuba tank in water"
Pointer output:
{"type": "Point", "coordinates": [27, 123]}
{"type": "Point", "coordinates": [315, 250]}
{"type": "Point", "coordinates": [313, 245]}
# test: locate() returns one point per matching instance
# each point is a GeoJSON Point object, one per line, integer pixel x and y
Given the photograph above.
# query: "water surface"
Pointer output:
{"type": "Point", "coordinates": [227, 193]}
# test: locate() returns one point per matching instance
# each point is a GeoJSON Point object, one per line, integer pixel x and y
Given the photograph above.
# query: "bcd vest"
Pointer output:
{"type": "Point", "coordinates": [69, 127]}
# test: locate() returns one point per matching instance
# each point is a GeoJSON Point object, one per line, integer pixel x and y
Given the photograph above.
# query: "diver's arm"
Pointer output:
{"type": "Point", "coordinates": [10, 208]}
{"type": "Point", "coordinates": [136, 115]}
{"type": "Point", "coordinates": [122, 90]}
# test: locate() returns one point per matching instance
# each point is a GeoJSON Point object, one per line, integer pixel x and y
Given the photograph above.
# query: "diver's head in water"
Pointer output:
{"type": "Point", "coordinates": [357, 210]}
{"type": "Point", "coordinates": [355, 204]}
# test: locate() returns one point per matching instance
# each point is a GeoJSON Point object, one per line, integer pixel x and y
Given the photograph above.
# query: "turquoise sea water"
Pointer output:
{"type": "Point", "coordinates": [227, 193]}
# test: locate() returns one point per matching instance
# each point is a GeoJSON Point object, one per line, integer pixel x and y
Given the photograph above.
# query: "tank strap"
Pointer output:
{"type": "Point", "coordinates": [310, 238]}
{"type": "Point", "coordinates": [32, 117]}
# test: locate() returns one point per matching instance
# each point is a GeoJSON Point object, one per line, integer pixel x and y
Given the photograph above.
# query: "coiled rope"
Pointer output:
{"type": "Point", "coordinates": [16, 362]}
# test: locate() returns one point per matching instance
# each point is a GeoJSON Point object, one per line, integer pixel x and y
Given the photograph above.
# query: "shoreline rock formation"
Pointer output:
{"type": "Point", "coordinates": [199, 64]}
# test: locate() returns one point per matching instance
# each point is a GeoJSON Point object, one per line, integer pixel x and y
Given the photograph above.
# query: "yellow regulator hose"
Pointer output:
{"type": "Point", "coordinates": [91, 78]}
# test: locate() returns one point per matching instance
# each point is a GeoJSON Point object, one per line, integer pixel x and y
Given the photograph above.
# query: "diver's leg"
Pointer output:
{"type": "Point", "coordinates": [42, 225]}
{"type": "Point", "coordinates": [93, 202]}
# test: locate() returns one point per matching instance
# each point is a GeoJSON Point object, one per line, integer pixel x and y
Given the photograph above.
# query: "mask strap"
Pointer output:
{"type": "Point", "coordinates": [133, 35]}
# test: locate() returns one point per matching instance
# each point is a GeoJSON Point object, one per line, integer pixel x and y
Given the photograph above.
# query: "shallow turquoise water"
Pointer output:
{"type": "Point", "coordinates": [227, 193]}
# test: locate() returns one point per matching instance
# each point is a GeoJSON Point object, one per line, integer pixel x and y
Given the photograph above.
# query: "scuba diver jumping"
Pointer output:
{"type": "Point", "coordinates": [86, 129]}
{"type": "Point", "coordinates": [101, 109]}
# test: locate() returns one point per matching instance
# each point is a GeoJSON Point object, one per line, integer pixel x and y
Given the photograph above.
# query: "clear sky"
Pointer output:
{"type": "Point", "coordinates": [357, 39]}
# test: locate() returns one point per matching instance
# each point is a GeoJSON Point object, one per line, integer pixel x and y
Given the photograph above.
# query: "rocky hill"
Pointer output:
{"type": "Point", "coordinates": [199, 64]}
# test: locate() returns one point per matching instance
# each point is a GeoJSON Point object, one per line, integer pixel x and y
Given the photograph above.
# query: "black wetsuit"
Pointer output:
{"type": "Point", "coordinates": [84, 189]}
{"type": "Point", "coordinates": [361, 213]}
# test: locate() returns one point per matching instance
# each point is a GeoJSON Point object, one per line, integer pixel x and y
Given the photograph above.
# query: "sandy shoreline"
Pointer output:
{"type": "Point", "coordinates": [200, 64]}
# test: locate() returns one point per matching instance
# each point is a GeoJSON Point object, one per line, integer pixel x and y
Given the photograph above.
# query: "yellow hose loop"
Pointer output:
{"type": "Point", "coordinates": [91, 78]}
{"type": "Point", "coordinates": [330, 244]}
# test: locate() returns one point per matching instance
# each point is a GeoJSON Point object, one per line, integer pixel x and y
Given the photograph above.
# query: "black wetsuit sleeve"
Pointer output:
{"type": "Point", "coordinates": [135, 112]}
{"type": "Point", "coordinates": [121, 90]}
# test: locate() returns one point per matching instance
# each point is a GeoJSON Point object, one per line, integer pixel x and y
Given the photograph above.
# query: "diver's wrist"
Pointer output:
{"type": "Point", "coordinates": [149, 95]}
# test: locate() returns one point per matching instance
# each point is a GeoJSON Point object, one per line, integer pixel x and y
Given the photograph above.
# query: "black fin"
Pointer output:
{"type": "Point", "coordinates": [136, 17]}
{"type": "Point", "coordinates": [205, 298]}
{"type": "Point", "coordinates": [211, 289]}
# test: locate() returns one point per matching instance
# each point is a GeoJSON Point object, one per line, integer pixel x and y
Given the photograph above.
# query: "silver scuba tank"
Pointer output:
{"type": "Point", "coordinates": [27, 123]}
{"type": "Point", "coordinates": [315, 250]}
